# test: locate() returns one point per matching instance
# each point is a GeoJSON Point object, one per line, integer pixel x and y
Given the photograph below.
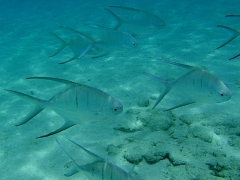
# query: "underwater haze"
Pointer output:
{"type": "Point", "coordinates": [100, 52]}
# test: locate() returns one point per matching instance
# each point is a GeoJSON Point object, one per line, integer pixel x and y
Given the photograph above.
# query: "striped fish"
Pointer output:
{"type": "Point", "coordinates": [110, 40]}
{"type": "Point", "coordinates": [77, 103]}
{"type": "Point", "coordinates": [196, 86]}
{"type": "Point", "coordinates": [99, 169]}
{"type": "Point", "coordinates": [137, 22]}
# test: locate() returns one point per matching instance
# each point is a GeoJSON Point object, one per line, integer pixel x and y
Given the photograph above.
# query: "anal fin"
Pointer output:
{"type": "Point", "coordinates": [65, 126]}
{"type": "Point", "coordinates": [180, 105]}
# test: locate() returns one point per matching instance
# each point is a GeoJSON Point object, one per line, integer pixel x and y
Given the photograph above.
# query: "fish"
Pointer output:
{"type": "Point", "coordinates": [77, 103]}
{"type": "Point", "coordinates": [196, 86]}
{"type": "Point", "coordinates": [110, 40]}
{"type": "Point", "coordinates": [99, 169]}
{"type": "Point", "coordinates": [138, 23]}
{"type": "Point", "coordinates": [235, 34]}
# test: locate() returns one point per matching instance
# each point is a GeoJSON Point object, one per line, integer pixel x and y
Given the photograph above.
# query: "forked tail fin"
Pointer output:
{"type": "Point", "coordinates": [235, 32]}
{"type": "Point", "coordinates": [39, 106]}
{"type": "Point", "coordinates": [234, 57]}
{"type": "Point", "coordinates": [63, 44]}
{"type": "Point", "coordinates": [118, 19]}
{"type": "Point", "coordinates": [167, 85]}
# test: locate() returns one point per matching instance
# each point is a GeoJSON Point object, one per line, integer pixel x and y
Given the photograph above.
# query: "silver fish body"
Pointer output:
{"type": "Point", "coordinates": [138, 22]}
{"type": "Point", "coordinates": [202, 86]}
{"type": "Point", "coordinates": [109, 41]}
{"type": "Point", "coordinates": [82, 101]}
{"type": "Point", "coordinates": [196, 86]}
{"type": "Point", "coordinates": [99, 169]}
{"type": "Point", "coordinates": [76, 104]}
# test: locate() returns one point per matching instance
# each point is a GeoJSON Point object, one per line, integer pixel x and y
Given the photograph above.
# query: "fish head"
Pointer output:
{"type": "Point", "coordinates": [159, 24]}
{"type": "Point", "coordinates": [222, 93]}
{"type": "Point", "coordinates": [112, 108]}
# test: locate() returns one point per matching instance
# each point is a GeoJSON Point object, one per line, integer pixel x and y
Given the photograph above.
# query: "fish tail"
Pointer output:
{"type": "Point", "coordinates": [80, 56]}
{"type": "Point", "coordinates": [87, 151]}
{"type": "Point", "coordinates": [232, 15]}
{"type": "Point", "coordinates": [234, 57]}
{"type": "Point", "coordinates": [63, 45]}
{"type": "Point", "coordinates": [76, 167]}
{"type": "Point", "coordinates": [118, 19]}
{"type": "Point", "coordinates": [168, 87]}
{"type": "Point", "coordinates": [235, 32]}
{"type": "Point", "coordinates": [65, 126]}
{"type": "Point", "coordinates": [39, 106]}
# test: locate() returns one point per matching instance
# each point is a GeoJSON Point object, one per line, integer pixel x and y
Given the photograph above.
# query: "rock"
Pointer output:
{"type": "Point", "coordinates": [155, 156]}
{"type": "Point", "coordinates": [175, 160]}
{"type": "Point", "coordinates": [134, 158]}
{"type": "Point", "coordinates": [156, 119]}
{"type": "Point", "coordinates": [202, 133]}
{"type": "Point", "coordinates": [113, 150]}
{"type": "Point", "coordinates": [143, 103]}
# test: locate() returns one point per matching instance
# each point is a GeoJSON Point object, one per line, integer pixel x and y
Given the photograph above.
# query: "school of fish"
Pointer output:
{"type": "Point", "coordinates": [78, 103]}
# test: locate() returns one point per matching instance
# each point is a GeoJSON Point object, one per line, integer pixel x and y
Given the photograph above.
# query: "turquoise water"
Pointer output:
{"type": "Point", "coordinates": [199, 141]}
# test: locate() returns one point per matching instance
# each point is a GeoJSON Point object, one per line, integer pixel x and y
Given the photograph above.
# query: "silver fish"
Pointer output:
{"type": "Point", "coordinates": [139, 23]}
{"type": "Point", "coordinates": [197, 86]}
{"type": "Point", "coordinates": [99, 169]}
{"type": "Point", "coordinates": [77, 103]}
{"type": "Point", "coordinates": [110, 40]}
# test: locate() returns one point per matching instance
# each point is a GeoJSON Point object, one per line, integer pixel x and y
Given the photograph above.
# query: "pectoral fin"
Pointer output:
{"type": "Point", "coordinates": [65, 126]}
{"type": "Point", "coordinates": [180, 105]}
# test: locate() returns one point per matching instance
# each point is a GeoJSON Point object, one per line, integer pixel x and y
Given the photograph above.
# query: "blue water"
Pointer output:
{"type": "Point", "coordinates": [198, 141]}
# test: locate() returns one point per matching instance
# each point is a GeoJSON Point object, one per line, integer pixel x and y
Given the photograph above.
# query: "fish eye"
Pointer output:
{"type": "Point", "coordinates": [221, 94]}
{"type": "Point", "coordinates": [115, 109]}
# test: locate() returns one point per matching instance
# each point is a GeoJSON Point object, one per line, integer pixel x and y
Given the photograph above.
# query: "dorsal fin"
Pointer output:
{"type": "Point", "coordinates": [55, 79]}
{"type": "Point", "coordinates": [179, 64]}
{"type": "Point", "coordinates": [118, 19]}
{"type": "Point", "coordinates": [84, 36]}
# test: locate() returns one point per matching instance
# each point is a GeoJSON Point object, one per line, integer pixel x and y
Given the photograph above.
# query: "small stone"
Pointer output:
{"type": "Point", "coordinates": [113, 150]}
{"type": "Point", "coordinates": [143, 103]}
{"type": "Point", "coordinates": [175, 160]}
